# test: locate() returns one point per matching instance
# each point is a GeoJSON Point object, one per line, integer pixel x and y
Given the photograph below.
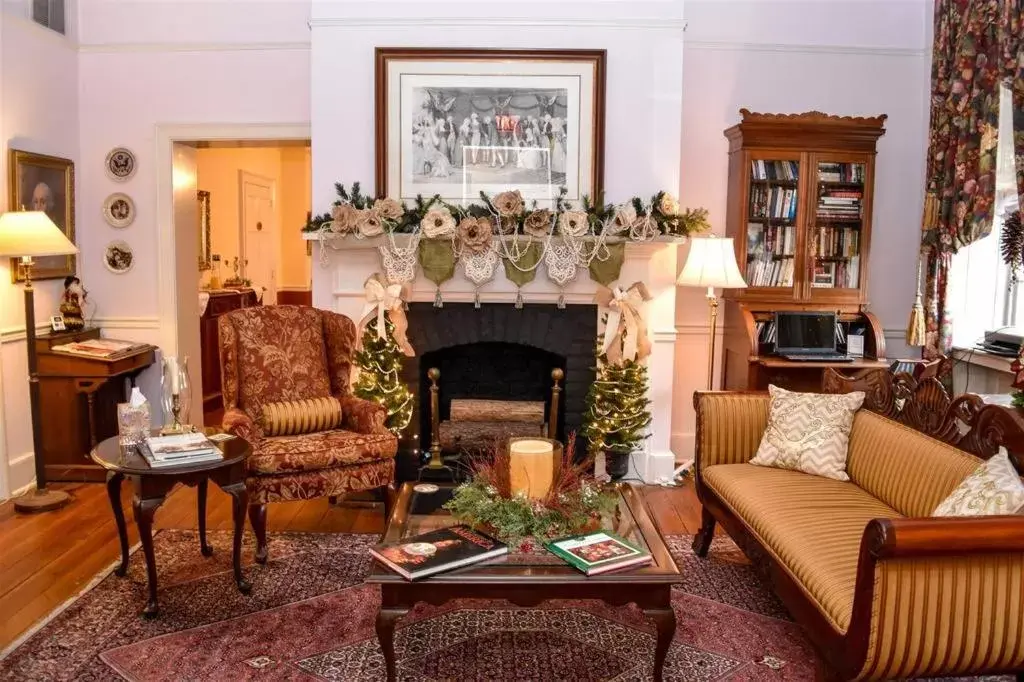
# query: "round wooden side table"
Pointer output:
{"type": "Point", "coordinates": [151, 487]}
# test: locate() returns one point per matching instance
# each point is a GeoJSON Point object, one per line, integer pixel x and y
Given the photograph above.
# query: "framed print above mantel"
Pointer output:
{"type": "Point", "coordinates": [455, 122]}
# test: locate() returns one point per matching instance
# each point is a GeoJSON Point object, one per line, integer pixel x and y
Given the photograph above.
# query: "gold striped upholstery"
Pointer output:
{"type": "Point", "coordinates": [907, 470]}
{"type": "Point", "coordinates": [291, 417]}
{"type": "Point", "coordinates": [813, 526]}
{"type": "Point", "coordinates": [946, 616]}
{"type": "Point", "coordinates": [730, 427]}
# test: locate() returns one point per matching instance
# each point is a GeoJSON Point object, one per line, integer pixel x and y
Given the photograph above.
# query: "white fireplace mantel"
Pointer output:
{"type": "Point", "coordinates": [341, 268]}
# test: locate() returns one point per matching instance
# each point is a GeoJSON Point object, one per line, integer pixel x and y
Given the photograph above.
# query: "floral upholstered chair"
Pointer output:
{"type": "Point", "coordinates": [285, 373]}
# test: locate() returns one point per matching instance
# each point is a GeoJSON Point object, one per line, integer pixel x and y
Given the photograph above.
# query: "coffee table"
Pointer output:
{"type": "Point", "coordinates": [151, 487]}
{"type": "Point", "coordinates": [528, 580]}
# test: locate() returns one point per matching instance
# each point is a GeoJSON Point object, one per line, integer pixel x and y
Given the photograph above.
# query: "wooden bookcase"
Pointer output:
{"type": "Point", "coordinates": [800, 213]}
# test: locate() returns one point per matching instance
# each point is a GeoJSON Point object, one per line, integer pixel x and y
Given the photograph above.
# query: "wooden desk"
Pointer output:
{"type": "Point", "coordinates": [78, 397]}
{"type": "Point", "coordinates": [221, 303]}
{"type": "Point", "coordinates": [806, 376]}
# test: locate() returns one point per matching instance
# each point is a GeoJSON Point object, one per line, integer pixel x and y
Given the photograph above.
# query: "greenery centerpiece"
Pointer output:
{"type": "Point", "coordinates": [574, 503]}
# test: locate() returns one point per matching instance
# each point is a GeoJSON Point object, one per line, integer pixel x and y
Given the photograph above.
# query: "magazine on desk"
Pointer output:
{"type": "Point", "coordinates": [437, 551]}
{"type": "Point", "coordinates": [97, 348]}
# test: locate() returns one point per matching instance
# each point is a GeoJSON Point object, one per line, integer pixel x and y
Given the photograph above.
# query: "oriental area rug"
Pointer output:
{"type": "Point", "coordinates": [310, 617]}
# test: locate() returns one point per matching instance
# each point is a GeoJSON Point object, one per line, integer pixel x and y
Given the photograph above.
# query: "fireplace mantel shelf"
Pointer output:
{"type": "Point", "coordinates": [348, 242]}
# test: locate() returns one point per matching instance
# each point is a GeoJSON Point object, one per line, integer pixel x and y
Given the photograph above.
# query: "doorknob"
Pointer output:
{"type": "Point", "coordinates": [259, 226]}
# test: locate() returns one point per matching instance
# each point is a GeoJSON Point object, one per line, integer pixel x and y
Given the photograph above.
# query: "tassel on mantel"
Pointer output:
{"type": "Point", "coordinates": [916, 327]}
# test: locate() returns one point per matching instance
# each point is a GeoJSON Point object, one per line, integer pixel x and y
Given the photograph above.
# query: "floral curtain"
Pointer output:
{"type": "Point", "coordinates": [977, 47]}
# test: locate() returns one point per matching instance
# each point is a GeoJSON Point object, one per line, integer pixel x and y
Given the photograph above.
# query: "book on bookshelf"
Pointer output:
{"type": "Point", "coordinates": [788, 171]}
{"type": "Point", "coordinates": [438, 551]}
{"type": "Point", "coordinates": [598, 552]}
{"type": "Point", "coordinates": [829, 171]}
{"type": "Point", "coordinates": [777, 203]}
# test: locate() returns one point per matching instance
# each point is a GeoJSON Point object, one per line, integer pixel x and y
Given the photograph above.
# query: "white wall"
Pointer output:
{"type": "Point", "coordinates": [848, 57]}
{"type": "Point", "coordinates": [39, 105]}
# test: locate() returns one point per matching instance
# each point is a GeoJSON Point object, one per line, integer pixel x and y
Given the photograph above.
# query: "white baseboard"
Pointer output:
{"type": "Point", "coordinates": [649, 467]}
{"type": "Point", "coordinates": [21, 473]}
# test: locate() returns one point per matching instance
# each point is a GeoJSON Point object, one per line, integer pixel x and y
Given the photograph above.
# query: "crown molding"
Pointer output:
{"type": "Point", "coordinates": [118, 48]}
{"type": "Point", "coordinates": [800, 48]}
{"type": "Point", "coordinates": [629, 23]}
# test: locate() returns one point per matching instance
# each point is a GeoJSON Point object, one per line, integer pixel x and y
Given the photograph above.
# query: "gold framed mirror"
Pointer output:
{"type": "Point", "coordinates": [203, 197]}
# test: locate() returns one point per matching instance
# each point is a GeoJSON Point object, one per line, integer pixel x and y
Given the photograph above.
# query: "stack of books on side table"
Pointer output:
{"type": "Point", "coordinates": [178, 449]}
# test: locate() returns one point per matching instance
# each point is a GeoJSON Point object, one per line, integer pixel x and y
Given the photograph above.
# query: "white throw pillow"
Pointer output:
{"type": "Point", "coordinates": [993, 488]}
{"type": "Point", "coordinates": [809, 432]}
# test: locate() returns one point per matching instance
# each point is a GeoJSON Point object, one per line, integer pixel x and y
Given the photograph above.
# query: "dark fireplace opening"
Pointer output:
{"type": "Point", "coordinates": [496, 351]}
{"type": "Point", "coordinates": [491, 370]}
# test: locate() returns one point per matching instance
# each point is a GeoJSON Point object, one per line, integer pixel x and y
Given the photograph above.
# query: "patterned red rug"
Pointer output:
{"type": "Point", "coordinates": [310, 617]}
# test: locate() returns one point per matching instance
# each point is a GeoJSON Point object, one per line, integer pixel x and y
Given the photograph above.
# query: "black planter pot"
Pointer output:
{"type": "Point", "coordinates": [616, 464]}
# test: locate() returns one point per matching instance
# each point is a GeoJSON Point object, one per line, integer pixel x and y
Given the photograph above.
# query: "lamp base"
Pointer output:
{"type": "Point", "coordinates": [41, 501]}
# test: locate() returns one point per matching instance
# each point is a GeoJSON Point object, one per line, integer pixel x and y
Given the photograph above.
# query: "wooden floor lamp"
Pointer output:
{"type": "Point", "coordinates": [25, 235]}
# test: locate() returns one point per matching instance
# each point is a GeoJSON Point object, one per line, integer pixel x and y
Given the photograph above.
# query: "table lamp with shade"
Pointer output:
{"type": "Point", "coordinates": [711, 264]}
{"type": "Point", "coordinates": [25, 235]}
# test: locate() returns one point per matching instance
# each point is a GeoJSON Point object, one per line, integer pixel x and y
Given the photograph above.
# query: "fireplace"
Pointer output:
{"type": "Point", "coordinates": [499, 352]}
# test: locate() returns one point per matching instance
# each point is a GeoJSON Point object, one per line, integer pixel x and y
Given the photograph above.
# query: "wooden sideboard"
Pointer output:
{"type": "Point", "coordinates": [221, 302]}
{"type": "Point", "coordinates": [78, 397]}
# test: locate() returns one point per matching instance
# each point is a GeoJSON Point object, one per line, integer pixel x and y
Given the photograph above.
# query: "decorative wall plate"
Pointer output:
{"type": "Point", "coordinates": [119, 210]}
{"type": "Point", "coordinates": [118, 257]}
{"type": "Point", "coordinates": [120, 164]}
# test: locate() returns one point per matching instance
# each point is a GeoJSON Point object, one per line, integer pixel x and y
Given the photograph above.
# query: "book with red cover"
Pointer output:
{"type": "Point", "coordinates": [438, 551]}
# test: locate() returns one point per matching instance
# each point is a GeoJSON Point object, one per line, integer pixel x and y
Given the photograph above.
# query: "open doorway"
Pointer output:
{"type": "Point", "coordinates": [249, 201]}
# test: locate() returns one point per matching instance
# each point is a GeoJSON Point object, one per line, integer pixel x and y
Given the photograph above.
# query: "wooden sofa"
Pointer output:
{"type": "Point", "coordinates": [882, 590]}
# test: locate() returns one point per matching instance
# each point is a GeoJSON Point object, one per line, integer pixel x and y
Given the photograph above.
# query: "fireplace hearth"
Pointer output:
{"type": "Point", "coordinates": [499, 352]}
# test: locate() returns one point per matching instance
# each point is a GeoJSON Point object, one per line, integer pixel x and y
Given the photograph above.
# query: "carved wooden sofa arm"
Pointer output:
{"type": "Point", "coordinates": [938, 596]}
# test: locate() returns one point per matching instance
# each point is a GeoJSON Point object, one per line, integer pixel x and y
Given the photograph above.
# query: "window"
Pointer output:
{"type": "Point", "coordinates": [983, 294]}
{"type": "Point", "coordinates": [49, 13]}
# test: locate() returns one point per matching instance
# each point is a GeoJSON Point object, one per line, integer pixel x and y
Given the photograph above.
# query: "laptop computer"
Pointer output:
{"type": "Point", "coordinates": [807, 337]}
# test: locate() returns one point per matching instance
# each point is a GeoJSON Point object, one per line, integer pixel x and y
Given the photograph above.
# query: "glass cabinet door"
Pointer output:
{"type": "Point", "coordinates": [835, 234]}
{"type": "Point", "coordinates": [771, 218]}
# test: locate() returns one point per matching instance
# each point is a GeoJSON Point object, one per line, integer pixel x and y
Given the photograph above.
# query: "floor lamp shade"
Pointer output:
{"type": "Point", "coordinates": [27, 234]}
{"type": "Point", "coordinates": [32, 233]}
{"type": "Point", "coordinates": [711, 264]}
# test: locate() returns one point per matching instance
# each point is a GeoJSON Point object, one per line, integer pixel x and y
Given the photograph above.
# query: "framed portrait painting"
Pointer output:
{"type": "Point", "coordinates": [456, 122]}
{"type": "Point", "coordinates": [44, 183]}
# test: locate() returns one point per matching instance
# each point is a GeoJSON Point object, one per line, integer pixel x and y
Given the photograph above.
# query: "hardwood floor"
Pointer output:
{"type": "Point", "coordinates": [46, 559]}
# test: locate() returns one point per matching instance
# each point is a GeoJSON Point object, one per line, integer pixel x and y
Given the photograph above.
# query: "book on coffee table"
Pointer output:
{"type": "Point", "coordinates": [438, 551]}
{"type": "Point", "coordinates": [598, 552]}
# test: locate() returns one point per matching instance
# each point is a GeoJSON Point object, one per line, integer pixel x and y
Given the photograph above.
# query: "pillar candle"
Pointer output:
{"type": "Point", "coordinates": [172, 370]}
{"type": "Point", "coordinates": [531, 467]}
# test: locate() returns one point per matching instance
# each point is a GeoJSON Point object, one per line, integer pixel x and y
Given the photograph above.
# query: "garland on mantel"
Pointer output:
{"type": "Point", "coordinates": [502, 228]}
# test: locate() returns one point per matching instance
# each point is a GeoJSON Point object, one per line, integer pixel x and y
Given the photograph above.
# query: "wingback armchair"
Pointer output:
{"type": "Point", "coordinates": [271, 355]}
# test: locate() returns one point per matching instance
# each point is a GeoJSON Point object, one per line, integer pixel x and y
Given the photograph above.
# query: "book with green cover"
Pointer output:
{"type": "Point", "coordinates": [598, 552]}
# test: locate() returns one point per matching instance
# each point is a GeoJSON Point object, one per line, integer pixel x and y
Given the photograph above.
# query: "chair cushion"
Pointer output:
{"type": "Point", "coordinates": [812, 525]}
{"type": "Point", "coordinates": [292, 417]}
{"type": "Point", "coordinates": [808, 432]}
{"type": "Point", "coordinates": [321, 450]}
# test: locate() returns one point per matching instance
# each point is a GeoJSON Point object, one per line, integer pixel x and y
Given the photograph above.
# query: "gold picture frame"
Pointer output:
{"type": "Point", "coordinates": [205, 246]}
{"type": "Point", "coordinates": [46, 183]}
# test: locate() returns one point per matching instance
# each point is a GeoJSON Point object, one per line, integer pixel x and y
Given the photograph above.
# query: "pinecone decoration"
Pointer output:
{"type": "Point", "coordinates": [1011, 243]}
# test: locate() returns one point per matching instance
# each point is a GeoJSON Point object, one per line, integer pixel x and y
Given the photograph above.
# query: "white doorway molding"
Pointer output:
{"type": "Point", "coordinates": [166, 136]}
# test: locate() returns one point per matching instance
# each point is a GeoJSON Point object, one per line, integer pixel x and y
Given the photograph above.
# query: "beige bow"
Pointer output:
{"type": "Point", "coordinates": [383, 298]}
{"type": "Point", "coordinates": [625, 334]}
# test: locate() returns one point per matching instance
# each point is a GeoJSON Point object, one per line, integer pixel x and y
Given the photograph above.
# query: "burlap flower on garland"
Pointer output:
{"type": "Point", "coordinates": [573, 223]}
{"type": "Point", "coordinates": [509, 204]}
{"type": "Point", "coordinates": [369, 223]}
{"type": "Point", "coordinates": [438, 222]}
{"type": "Point", "coordinates": [538, 223]}
{"type": "Point", "coordinates": [475, 234]}
{"type": "Point", "coordinates": [343, 218]}
{"type": "Point", "coordinates": [625, 217]}
{"type": "Point", "coordinates": [388, 209]}
{"type": "Point", "coordinates": [669, 205]}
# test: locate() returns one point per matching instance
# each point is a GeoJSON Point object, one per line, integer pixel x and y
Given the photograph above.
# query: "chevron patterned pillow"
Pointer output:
{"type": "Point", "coordinates": [808, 432]}
{"type": "Point", "coordinates": [995, 487]}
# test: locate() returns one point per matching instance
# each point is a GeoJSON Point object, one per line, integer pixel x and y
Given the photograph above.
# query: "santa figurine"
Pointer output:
{"type": "Point", "coordinates": [71, 304]}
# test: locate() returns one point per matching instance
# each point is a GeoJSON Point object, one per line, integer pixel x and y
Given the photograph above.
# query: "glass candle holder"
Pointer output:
{"type": "Point", "coordinates": [176, 394]}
